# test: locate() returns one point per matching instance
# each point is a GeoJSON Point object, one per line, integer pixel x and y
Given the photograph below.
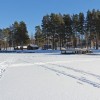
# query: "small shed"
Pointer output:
{"type": "Point", "coordinates": [32, 47]}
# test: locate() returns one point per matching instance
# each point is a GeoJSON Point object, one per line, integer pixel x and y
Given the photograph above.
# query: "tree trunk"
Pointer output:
{"type": "Point", "coordinates": [97, 41]}
{"type": "Point", "coordinates": [87, 43]}
{"type": "Point", "coordinates": [60, 43]}
{"type": "Point", "coordinates": [53, 42]}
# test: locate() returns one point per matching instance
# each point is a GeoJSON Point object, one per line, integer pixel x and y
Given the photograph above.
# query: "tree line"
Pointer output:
{"type": "Point", "coordinates": [14, 35]}
{"type": "Point", "coordinates": [77, 30]}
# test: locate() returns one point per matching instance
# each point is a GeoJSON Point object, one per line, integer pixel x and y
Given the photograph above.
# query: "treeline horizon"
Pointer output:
{"type": "Point", "coordinates": [79, 29]}
{"type": "Point", "coordinates": [14, 35]}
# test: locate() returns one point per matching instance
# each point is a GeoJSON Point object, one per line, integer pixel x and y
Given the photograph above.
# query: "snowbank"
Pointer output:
{"type": "Point", "coordinates": [29, 51]}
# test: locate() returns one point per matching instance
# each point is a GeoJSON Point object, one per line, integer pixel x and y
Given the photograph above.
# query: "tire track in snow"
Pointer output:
{"type": "Point", "coordinates": [79, 71]}
{"type": "Point", "coordinates": [43, 63]}
{"type": "Point", "coordinates": [82, 79]}
{"type": "Point", "coordinates": [55, 63]}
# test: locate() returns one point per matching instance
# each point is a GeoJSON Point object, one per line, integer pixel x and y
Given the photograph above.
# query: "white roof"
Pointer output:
{"type": "Point", "coordinates": [32, 45]}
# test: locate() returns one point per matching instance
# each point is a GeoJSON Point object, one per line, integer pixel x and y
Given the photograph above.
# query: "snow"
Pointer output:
{"type": "Point", "coordinates": [29, 51]}
{"type": "Point", "coordinates": [49, 76]}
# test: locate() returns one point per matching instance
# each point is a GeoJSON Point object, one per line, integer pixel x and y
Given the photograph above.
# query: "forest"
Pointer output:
{"type": "Point", "coordinates": [77, 30]}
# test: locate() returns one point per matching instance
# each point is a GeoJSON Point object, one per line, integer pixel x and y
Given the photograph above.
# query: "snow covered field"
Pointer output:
{"type": "Point", "coordinates": [49, 76]}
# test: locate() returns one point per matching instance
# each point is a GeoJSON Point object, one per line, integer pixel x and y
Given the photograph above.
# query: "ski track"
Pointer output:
{"type": "Point", "coordinates": [80, 71]}
{"type": "Point", "coordinates": [55, 64]}
{"type": "Point", "coordinates": [82, 79]}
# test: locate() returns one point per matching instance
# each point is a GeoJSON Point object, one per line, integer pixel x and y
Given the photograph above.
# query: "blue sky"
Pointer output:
{"type": "Point", "coordinates": [32, 11]}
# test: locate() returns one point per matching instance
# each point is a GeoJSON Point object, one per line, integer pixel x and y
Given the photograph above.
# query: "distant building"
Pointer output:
{"type": "Point", "coordinates": [29, 47]}
{"type": "Point", "coordinates": [32, 47]}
